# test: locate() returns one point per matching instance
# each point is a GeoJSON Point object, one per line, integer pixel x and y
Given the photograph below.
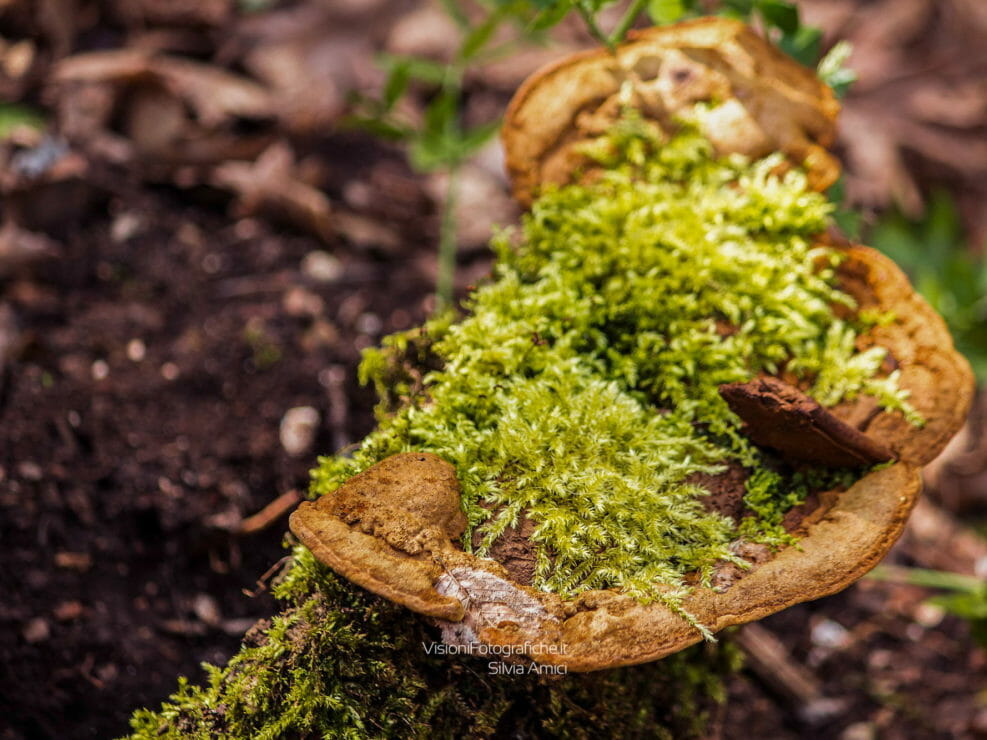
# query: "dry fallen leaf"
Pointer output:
{"type": "Point", "coordinates": [918, 112]}
{"type": "Point", "coordinates": [215, 95]}
{"type": "Point", "coordinates": [174, 12]}
{"type": "Point", "coordinates": [271, 184]}
{"type": "Point", "coordinates": [312, 58]}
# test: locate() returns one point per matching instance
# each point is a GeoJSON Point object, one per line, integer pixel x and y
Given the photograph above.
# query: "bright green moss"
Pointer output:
{"type": "Point", "coordinates": [581, 388]}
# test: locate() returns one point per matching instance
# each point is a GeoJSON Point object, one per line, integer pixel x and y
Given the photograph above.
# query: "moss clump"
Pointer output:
{"type": "Point", "coordinates": [346, 664]}
{"type": "Point", "coordinates": [581, 389]}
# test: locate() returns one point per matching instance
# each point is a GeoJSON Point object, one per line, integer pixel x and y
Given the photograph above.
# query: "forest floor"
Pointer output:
{"type": "Point", "coordinates": [194, 248]}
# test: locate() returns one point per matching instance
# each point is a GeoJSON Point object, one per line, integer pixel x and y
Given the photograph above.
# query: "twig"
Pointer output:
{"type": "Point", "coordinates": [270, 513]}
{"type": "Point", "coordinates": [769, 659]}
{"type": "Point", "coordinates": [262, 581]}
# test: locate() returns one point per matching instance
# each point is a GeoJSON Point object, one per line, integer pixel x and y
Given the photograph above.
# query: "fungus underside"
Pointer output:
{"type": "Point", "coordinates": [580, 390]}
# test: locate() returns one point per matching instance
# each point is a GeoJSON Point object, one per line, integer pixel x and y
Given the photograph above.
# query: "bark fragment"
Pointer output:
{"type": "Point", "coordinates": [783, 418]}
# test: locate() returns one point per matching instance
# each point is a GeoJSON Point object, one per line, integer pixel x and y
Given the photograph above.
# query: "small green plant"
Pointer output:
{"type": "Point", "coordinates": [966, 596]}
{"type": "Point", "coordinates": [951, 276]}
{"type": "Point", "coordinates": [441, 141]}
{"type": "Point", "coordinates": [14, 116]}
{"type": "Point", "coordinates": [492, 29]}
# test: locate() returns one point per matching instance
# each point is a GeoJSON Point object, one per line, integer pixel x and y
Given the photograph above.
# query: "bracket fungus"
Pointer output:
{"type": "Point", "coordinates": [397, 528]}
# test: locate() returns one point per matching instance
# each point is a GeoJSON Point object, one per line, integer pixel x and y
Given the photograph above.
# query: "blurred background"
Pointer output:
{"type": "Point", "coordinates": [208, 208]}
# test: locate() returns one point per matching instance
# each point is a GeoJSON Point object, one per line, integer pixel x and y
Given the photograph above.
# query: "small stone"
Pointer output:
{"type": "Point", "coordinates": [206, 608]}
{"type": "Point", "coordinates": [915, 632]}
{"type": "Point", "coordinates": [212, 263]}
{"type": "Point", "coordinates": [107, 672]}
{"type": "Point", "coordinates": [246, 228]}
{"type": "Point", "coordinates": [369, 323]}
{"type": "Point", "coordinates": [68, 611]}
{"type": "Point", "coordinates": [859, 731]}
{"type": "Point", "coordinates": [979, 722]}
{"type": "Point", "coordinates": [125, 227]}
{"type": "Point", "coordinates": [36, 630]}
{"type": "Point", "coordinates": [929, 615]}
{"type": "Point", "coordinates": [30, 470]}
{"type": "Point", "coordinates": [426, 32]}
{"type": "Point", "coordinates": [300, 302]}
{"type": "Point", "coordinates": [829, 634]}
{"type": "Point", "coordinates": [190, 234]}
{"type": "Point", "coordinates": [298, 428]}
{"type": "Point", "coordinates": [100, 370]}
{"type": "Point", "coordinates": [879, 660]}
{"type": "Point", "coordinates": [169, 371]}
{"type": "Point", "coordinates": [321, 267]}
{"type": "Point", "coordinates": [80, 561]}
{"type": "Point", "coordinates": [136, 350]}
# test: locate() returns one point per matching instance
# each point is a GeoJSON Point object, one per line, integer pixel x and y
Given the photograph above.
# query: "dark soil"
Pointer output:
{"type": "Point", "coordinates": [122, 470]}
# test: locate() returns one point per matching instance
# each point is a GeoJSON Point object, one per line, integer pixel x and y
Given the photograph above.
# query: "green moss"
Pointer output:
{"type": "Point", "coordinates": [581, 388]}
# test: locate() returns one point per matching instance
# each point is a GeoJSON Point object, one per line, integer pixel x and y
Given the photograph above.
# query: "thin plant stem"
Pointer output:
{"type": "Point", "coordinates": [931, 578]}
{"type": "Point", "coordinates": [591, 25]}
{"type": "Point", "coordinates": [447, 244]}
{"type": "Point", "coordinates": [621, 29]}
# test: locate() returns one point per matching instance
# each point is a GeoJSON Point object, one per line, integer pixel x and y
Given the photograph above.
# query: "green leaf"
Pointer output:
{"type": "Point", "coordinates": [597, 5]}
{"type": "Point", "coordinates": [833, 71]}
{"type": "Point", "coordinates": [397, 83]}
{"type": "Point", "coordinates": [780, 14]}
{"type": "Point", "coordinates": [551, 15]}
{"type": "Point", "coordinates": [476, 137]}
{"type": "Point", "coordinates": [738, 8]}
{"type": "Point", "coordinates": [943, 579]}
{"type": "Point", "coordinates": [666, 11]}
{"type": "Point", "coordinates": [380, 127]}
{"type": "Point", "coordinates": [13, 116]}
{"type": "Point", "coordinates": [803, 45]}
{"type": "Point", "coordinates": [964, 605]}
{"type": "Point", "coordinates": [424, 70]}
{"type": "Point", "coordinates": [454, 10]}
{"type": "Point", "coordinates": [477, 38]}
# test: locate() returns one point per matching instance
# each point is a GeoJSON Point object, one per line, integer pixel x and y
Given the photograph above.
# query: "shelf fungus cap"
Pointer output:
{"type": "Point", "coordinates": [395, 529]}
{"type": "Point", "coordinates": [390, 530]}
{"type": "Point", "coordinates": [749, 97]}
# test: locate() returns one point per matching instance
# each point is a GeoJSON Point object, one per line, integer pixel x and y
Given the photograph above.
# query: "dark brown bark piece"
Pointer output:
{"type": "Point", "coordinates": [785, 419]}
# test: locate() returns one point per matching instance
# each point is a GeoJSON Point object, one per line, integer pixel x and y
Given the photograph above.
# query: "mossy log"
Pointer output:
{"type": "Point", "coordinates": [340, 662]}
